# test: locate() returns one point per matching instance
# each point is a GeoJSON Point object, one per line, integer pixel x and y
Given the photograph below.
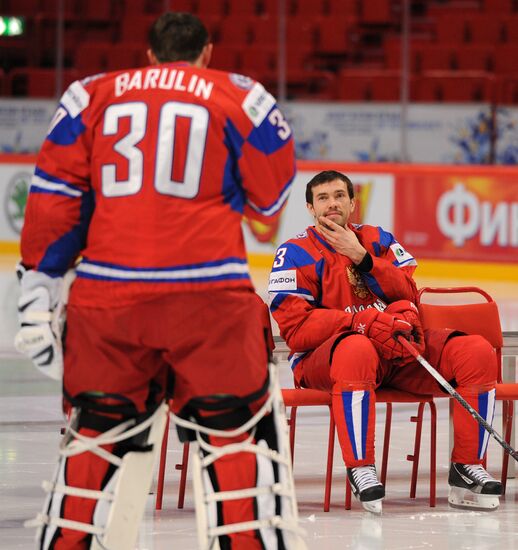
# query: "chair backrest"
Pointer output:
{"type": "Point", "coordinates": [472, 318]}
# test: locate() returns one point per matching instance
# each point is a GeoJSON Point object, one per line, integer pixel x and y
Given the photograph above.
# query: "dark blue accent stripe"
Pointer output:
{"type": "Point", "coordinates": [365, 420]}
{"type": "Point", "coordinates": [347, 400]}
{"type": "Point", "coordinates": [67, 130]}
{"type": "Point", "coordinates": [34, 189]}
{"type": "Point", "coordinates": [54, 179]}
{"type": "Point", "coordinates": [385, 238]}
{"type": "Point", "coordinates": [230, 276]}
{"type": "Point", "coordinates": [274, 203]}
{"type": "Point", "coordinates": [214, 263]}
{"type": "Point", "coordinates": [277, 301]}
{"type": "Point", "coordinates": [399, 264]}
{"type": "Point", "coordinates": [374, 286]}
{"type": "Point", "coordinates": [296, 361]}
{"type": "Point", "coordinates": [233, 192]}
{"type": "Point", "coordinates": [483, 399]}
{"type": "Point", "coordinates": [321, 239]}
{"type": "Point", "coordinates": [377, 249]}
{"type": "Point", "coordinates": [59, 255]}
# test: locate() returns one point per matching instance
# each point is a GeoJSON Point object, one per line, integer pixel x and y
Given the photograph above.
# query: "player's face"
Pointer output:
{"type": "Point", "coordinates": [332, 200]}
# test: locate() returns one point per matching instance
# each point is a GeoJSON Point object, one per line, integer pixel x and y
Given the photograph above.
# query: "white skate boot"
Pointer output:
{"type": "Point", "coordinates": [366, 487]}
{"type": "Point", "coordinates": [472, 487]}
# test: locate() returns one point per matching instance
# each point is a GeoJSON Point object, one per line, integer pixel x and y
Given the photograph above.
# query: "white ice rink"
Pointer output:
{"type": "Point", "coordinates": [30, 422]}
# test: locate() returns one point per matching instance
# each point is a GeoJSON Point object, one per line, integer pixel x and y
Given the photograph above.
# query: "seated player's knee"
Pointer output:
{"type": "Point", "coordinates": [474, 360]}
{"type": "Point", "coordinates": [354, 357]}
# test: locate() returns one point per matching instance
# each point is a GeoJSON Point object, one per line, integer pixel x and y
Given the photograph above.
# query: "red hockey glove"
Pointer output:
{"type": "Point", "coordinates": [383, 329]}
{"type": "Point", "coordinates": [406, 310]}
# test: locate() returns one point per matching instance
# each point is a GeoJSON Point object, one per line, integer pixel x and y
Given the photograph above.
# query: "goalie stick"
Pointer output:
{"type": "Point", "coordinates": [449, 388]}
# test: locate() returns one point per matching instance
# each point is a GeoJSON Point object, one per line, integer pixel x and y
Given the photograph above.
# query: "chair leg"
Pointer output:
{"type": "Point", "coordinates": [330, 457]}
{"type": "Point", "coordinates": [433, 452]}
{"type": "Point", "coordinates": [508, 414]}
{"type": "Point", "coordinates": [348, 494]}
{"type": "Point", "coordinates": [386, 443]}
{"type": "Point", "coordinates": [161, 468]}
{"type": "Point", "coordinates": [292, 422]}
{"type": "Point", "coordinates": [183, 476]}
{"type": "Point", "coordinates": [417, 448]}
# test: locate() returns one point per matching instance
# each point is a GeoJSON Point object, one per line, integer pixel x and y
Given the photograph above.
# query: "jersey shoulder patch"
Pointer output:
{"type": "Point", "coordinates": [257, 104]}
{"type": "Point", "coordinates": [76, 99]}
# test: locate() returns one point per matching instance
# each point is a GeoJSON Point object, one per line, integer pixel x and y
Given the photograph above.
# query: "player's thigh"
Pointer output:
{"type": "Point", "coordinates": [219, 348]}
{"type": "Point", "coordinates": [104, 355]}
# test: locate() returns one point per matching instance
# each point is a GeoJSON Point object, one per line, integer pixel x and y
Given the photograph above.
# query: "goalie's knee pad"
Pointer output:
{"type": "Point", "coordinates": [112, 483]}
{"type": "Point", "coordinates": [244, 457]}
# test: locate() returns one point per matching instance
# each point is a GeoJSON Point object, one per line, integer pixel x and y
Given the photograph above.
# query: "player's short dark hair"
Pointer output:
{"type": "Point", "coordinates": [177, 36]}
{"type": "Point", "coordinates": [325, 177]}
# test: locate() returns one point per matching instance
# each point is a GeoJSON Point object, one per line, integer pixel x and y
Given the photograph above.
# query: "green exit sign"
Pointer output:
{"type": "Point", "coordinates": [12, 26]}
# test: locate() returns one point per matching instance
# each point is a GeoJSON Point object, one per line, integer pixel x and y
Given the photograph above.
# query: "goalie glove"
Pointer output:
{"type": "Point", "coordinates": [383, 329]}
{"type": "Point", "coordinates": [407, 311]}
{"type": "Point", "coordinates": [41, 314]}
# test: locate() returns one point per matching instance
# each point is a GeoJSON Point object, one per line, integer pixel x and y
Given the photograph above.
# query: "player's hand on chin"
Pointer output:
{"type": "Point", "coordinates": [342, 239]}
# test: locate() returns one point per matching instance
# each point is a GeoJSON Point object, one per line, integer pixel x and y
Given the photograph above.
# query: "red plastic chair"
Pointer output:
{"type": "Point", "coordinates": [474, 318]}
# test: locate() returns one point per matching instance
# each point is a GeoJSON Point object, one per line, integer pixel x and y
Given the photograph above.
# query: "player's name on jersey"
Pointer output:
{"type": "Point", "coordinates": [163, 78]}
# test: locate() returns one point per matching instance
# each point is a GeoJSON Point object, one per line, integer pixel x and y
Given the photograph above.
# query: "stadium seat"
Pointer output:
{"type": "Point", "coordinates": [458, 86]}
{"type": "Point", "coordinates": [211, 7]}
{"type": "Point", "coordinates": [226, 58]}
{"type": "Point", "coordinates": [91, 58]}
{"type": "Point", "coordinates": [498, 6]}
{"type": "Point", "coordinates": [368, 85]}
{"type": "Point", "coordinates": [506, 59]}
{"type": "Point", "coordinates": [342, 7]}
{"type": "Point", "coordinates": [433, 57]}
{"type": "Point", "coordinates": [451, 29]}
{"type": "Point", "coordinates": [238, 7]}
{"type": "Point", "coordinates": [135, 28]}
{"type": "Point", "coordinates": [477, 316]}
{"type": "Point", "coordinates": [36, 82]}
{"type": "Point", "coordinates": [28, 8]}
{"type": "Point", "coordinates": [235, 30]}
{"type": "Point", "coordinates": [125, 55]}
{"type": "Point", "coordinates": [306, 8]}
{"type": "Point", "coordinates": [265, 31]}
{"type": "Point", "coordinates": [511, 29]}
{"type": "Point", "coordinates": [474, 57]}
{"type": "Point", "coordinates": [376, 12]}
{"type": "Point", "coordinates": [483, 29]}
{"type": "Point", "coordinates": [333, 34]}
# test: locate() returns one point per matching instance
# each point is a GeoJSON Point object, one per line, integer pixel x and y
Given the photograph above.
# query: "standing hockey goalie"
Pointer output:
{"type": "Point", "coordinates": [141, 186]}
{"type": "Point", "coordinates": [341, 294]}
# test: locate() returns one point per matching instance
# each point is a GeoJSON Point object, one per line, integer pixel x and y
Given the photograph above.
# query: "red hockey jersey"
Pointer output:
{"type": "Point", "coordinates": [147, 173]}
{"type": "Point", "coordinates": [315, 291]}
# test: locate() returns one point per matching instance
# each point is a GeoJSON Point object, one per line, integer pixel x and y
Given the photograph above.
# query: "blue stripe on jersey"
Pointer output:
{"type": "Point", "coordinates": [322, 240]}
{"type": "Point", "coordinates": [482, 410]}
{"type": "Point", "coordinates": [266, 138]}
{"type": "Point", "coordinates": [67, 130]}
{"type": "Point", "coordinates": [220, 270]}
{"type": "Point", "coordinates": [294, 257]}
{"type": "Point", "coordinates": [295, 358]}
{"type": "Point", "coordinates": [277, 301]}
{"type": "Point", "coordinates": [67, 188]}
{"type": "Point", "coordinates": [386, 238]}
{"type": "Point", "coordinates": [233, 193]}
{"type": "Point", "coordinates": [347, 400]}
{"type": "Point", "coordinates": [377, 248]}
{"type": "Point", "coordinates": [61, 253]}
{"type": "Point", "coordinates": [374, 286]}
{"type": "Point", "coordinates": [275, 206]}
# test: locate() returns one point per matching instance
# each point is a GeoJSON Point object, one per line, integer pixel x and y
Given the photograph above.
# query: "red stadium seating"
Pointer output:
{"type": "Point", "coordinates": [343, 7]}
{"type": "Point", "coordinates": [333, 34]}
{"type": "Point", "coordinates": [483, 29]}
{"type": "Point", "coordinates": [238, 7]}
{"type": "Point", "coordinates": [91, 58]}
{"type": "Point", "coordinates": [265, 31]}
{"type": "Point", "coordinates": [506, 59]}
{"type": "Point", "coordinates": [376, 11]}
{"type": "Point", "coordinates": [126, 55]}
{"type": "Point", "coordinates": [235, 30]}
{"type": "Point", "coordinates": [226, 58]}
{"type": "Point", "coordinates": [459, 86]}
{"type": "Point", "coordinates": [37, 82]}
{"type": "Point", "coordinates": [368, 85]}
{"type": "Point", "coordinates": [475, 57]}
{"type": "Point", "coordinates": [306, 8]}
{"type": "Point", "coordinates": [433, 57]}
{"type": "Point", "coordinates": [211, 7]}
{"type": "Point", "coordinates": [450, 28]}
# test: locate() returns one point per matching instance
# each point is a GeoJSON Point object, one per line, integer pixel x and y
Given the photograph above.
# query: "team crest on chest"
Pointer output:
{"type": "Point", "coordinates": [356, 283]}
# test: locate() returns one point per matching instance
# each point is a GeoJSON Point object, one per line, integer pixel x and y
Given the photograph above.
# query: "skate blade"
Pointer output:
{"type": "Point", "coordinates": [373, 506]}
{"type": "Point", "coordinates": [465, 499]}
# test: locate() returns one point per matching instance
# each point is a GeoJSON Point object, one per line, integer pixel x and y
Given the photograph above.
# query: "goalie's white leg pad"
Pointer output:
{"type": "Point", "coordinates": [120, 505]}
{"type": "Point", "coordinates": [464, 498]}
{"type": "Point", "coordinates": [274, 494]}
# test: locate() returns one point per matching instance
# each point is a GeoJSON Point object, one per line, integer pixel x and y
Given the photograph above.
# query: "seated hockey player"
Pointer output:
{"type": "Point", "coordinates": [341, 293]}
{"type": "Point", "coordinates": [143, 179]}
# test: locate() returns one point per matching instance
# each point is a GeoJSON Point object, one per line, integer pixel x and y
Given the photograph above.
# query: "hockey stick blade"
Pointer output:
{"type": "Point", "coordinates": [449, 388]}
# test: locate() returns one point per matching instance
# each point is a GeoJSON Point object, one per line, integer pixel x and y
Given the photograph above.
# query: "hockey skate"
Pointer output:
{"type": "Point", "coordinates": [366, 487]}
{"type": "Point", "coordinates": [472, 487]}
